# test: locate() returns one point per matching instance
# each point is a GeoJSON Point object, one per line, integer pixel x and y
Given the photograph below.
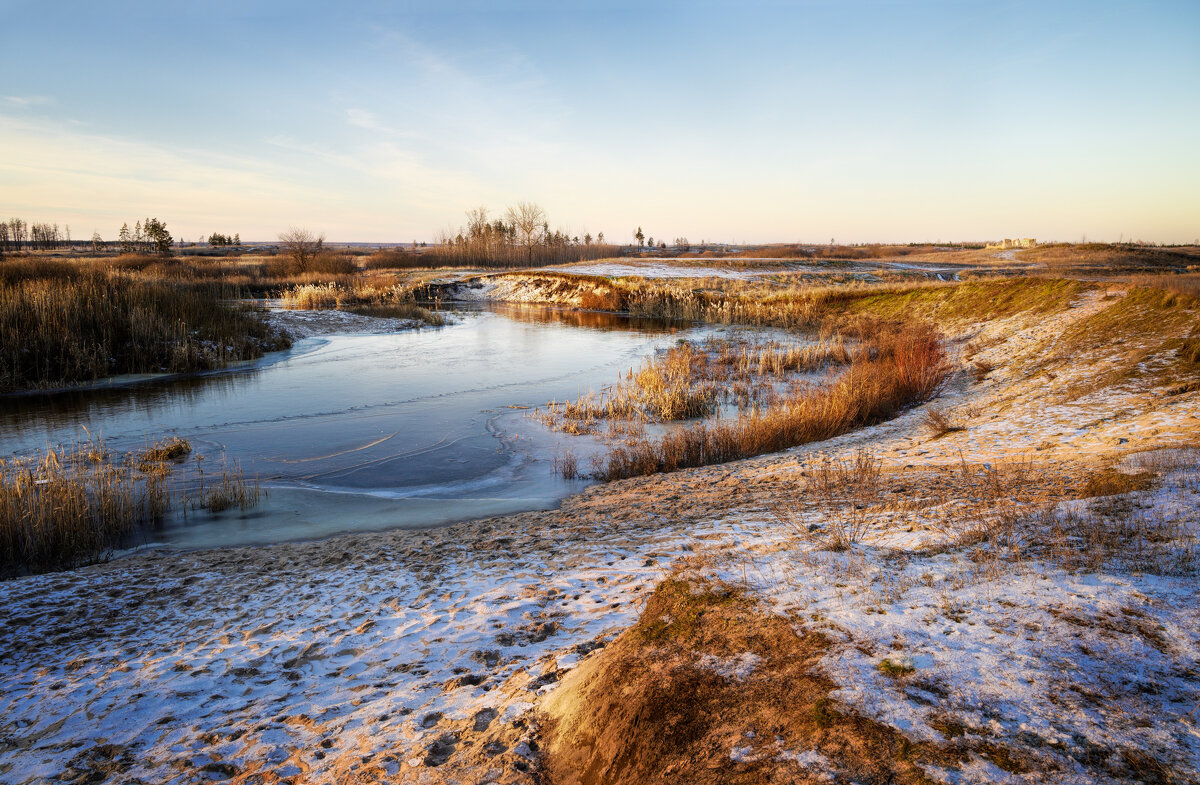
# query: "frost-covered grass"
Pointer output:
{"type": "Point", "coordinates": [1062, 640]}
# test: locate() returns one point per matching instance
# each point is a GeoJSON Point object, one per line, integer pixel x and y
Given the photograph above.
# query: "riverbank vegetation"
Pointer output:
{"type": "Point", "coordinates": [691, 380]}
{"type": "Point", "coordinates": [63, 323]}
{"type": "Point", "coordinates": [76, 504]}
{"type": "Point", "coordinates": [897, 367]}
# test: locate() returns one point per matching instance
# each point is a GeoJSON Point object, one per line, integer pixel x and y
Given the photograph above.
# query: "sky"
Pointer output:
{"type": "Point", "coordinates": [808, 121]}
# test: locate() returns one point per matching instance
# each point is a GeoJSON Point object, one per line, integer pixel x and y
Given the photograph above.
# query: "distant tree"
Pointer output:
{"type": "Point", "coordinates": [237, 240]}
{"type": "Point", "coordinates": [641, 238]}
{"type": "Point", "coordinates": [125, 239]}
{"type": "Point", "coordinates": [587, 238]}
{"type": "Point", "coordinates": [600, 238]}
{"type": "Point", "coordinates": [156, 237]}
{"type": "Point", "coordinates": [97, 243]}
{"type": "Point", "coordinates": [650, 242]}
{"type": "Point", "coordinates": [302, 245]}
{"type": "Point", "coordinates": [528, 222]}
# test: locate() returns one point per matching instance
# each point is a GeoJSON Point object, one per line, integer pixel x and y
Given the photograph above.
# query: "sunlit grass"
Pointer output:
{"type": "Point", "coordinates": [60, 327]}
{"type": "Point", "coordinates": [900, 368]}
{"type": "Point", "coordinates": [76, 504]}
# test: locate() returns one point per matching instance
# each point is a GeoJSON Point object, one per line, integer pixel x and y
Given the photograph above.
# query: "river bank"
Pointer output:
{"type": "Point", "coordinates": [952, 619]}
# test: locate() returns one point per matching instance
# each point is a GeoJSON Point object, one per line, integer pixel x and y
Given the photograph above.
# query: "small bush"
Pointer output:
{"type": "Point", "coordinates": [939, 423]}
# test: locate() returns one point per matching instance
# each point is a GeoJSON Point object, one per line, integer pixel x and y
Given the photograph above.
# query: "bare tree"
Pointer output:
{"type": "Point", "coordinates": [527, 219]}
{"type": "Point", "coordinates": [302, 245]}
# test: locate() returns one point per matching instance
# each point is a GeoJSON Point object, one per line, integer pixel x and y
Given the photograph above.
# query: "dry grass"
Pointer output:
{"type": "Point", "coordinates": [794, 305]}
{"type": "Point", "coordinates": [1153, 334]}
{"type": "Point", "coordinates": [226, 490]}
{"type": "Point", "coordinates": [172, 449]}
{"type": "Point", "coordinates": [842, 491]}
{"type": "Point", "coordinates": [901, 367]}
{"type": "Point", "coordinates": [75, 505]}
{"type": "Point", "coordinates": [1078, 258]}
{"type": "Point", "coordinates": [69, 507]}
{"type": "Point", "coordinates": [62, 325]}
{"type": "Point", "coordinates": [1110, 482]}
{"type": "Point", "coordinates": [690, 380]}
{"type": "Point", "coordinates": [323, 263]}
{"type": "Point", "coordinates": [387, 296]}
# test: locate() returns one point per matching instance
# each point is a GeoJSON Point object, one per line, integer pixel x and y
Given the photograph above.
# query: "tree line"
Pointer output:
{"type": "Point", "coordinates": [20, 235]}
{"type": "Point", "coordinates": [520, 237]}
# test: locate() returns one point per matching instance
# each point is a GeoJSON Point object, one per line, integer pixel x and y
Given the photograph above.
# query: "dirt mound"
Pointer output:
{"type": "Point", "coordinates": [706, 688]}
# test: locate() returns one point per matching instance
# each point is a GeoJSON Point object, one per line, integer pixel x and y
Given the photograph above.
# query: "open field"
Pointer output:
{"type": "Point", "coordinates": [970, 557]}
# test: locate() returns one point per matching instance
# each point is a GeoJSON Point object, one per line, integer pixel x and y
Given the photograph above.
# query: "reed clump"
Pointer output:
{"type": "Point", "coordinates": [61, 326]}
{"type": "Point", "coordinates": [229, 489]}
{"type": "Point", "coordinates": [76, 504]}
{"type": "Point", "coordinates": [901, 366]}
{"type": "Point", "coordinates": [70, 507]}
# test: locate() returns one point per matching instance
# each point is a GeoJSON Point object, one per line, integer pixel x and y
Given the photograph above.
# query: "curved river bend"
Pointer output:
{"type": "Point", "coordinates": [353, 432]}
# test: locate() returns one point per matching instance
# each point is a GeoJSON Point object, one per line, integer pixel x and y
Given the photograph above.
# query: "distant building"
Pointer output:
{"type": "Point", "coordinates": [1021, 242]}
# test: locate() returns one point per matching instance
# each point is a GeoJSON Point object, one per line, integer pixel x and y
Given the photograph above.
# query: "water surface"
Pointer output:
{"type": "Point", "coordinates": [366, 431]}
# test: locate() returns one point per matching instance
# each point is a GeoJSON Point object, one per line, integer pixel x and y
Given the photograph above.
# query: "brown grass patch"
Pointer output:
{"type": "Point", "coordinates": [63, 325]}
{"type": "Point", "coordinates": [1110, 482]}
{"type": "Point", "coordinates": [660, 704]}
{"type": "Point", "coordinates": [903, 366]}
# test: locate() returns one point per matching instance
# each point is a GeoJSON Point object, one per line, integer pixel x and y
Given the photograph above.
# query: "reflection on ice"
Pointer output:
{"type": "Point", "coordinates": [366, 431]}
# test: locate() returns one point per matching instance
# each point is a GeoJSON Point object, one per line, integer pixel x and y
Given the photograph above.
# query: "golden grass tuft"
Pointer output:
{"type": "Point", "coordinates": [901, 367]}
{"type": "Point", "coordinates": [61, 328]}
{"type": "Point", "coordinates": [67, 508]}
{"type": "Point", "coordinates": [939, 423]}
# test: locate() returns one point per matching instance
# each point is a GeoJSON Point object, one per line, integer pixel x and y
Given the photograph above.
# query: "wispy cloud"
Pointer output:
{"type": "Point", "coordinates": [26, 101]}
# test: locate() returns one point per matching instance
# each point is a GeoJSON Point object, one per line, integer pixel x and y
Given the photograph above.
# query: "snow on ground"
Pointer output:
{"type": "Point", "coordinates": [308, 324]}
{"type": "Point", "coordinates": [416, 655]}
{"type": "Point", "coordinates": [359, 653]}
{"type": "Point", "coordinates": [1068, 662]}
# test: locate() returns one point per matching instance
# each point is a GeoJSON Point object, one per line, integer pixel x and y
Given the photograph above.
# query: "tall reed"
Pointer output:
{"type": "Point", "coordinates": [71, 506]}
{"type": "Point", "coordinates": [901, 367]}
{"type": "Point", "coordinates": [57, 330]}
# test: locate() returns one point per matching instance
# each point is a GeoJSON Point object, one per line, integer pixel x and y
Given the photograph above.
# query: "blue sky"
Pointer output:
{"type": "Point", "coordinates": [861, 121]}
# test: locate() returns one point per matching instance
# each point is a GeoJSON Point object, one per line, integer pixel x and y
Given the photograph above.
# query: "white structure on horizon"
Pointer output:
{"type": "Point", "coordinates": [1021, 242]}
